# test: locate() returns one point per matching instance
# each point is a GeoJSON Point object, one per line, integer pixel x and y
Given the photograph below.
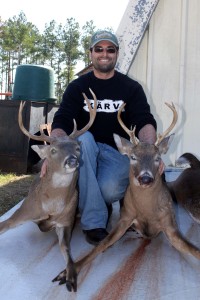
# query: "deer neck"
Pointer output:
{"type": "Point", "coordinates": [57, 179]}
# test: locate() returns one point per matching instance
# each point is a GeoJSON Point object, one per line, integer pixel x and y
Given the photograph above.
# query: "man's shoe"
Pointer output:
{"type": "Point", "coordinates": [95, 236]}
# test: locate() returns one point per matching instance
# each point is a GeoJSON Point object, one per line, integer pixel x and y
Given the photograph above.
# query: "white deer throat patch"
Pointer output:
{"type": "Point", "coordinates": [61, 180]}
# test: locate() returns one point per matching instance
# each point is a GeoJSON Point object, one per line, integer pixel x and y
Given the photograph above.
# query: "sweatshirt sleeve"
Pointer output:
{"type": "Point", "coordinates": [138, 110]}
{"type": "Point", "coordinates": [69, 109]}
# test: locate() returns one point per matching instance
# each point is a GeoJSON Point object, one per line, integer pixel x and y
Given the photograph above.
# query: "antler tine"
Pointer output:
{"type": "Point", "coordinates": [131, 133]}
{"type": "Point", "coordinates": [174, 120]}
{"type": "Point", "coordinates": [92, 111]}
{"type": "Point", "coordinates": [45, 126]}
{"type": "Point", "coordinates": [73, 134]}
{"type": "Point", "coordinates": [43, 137]}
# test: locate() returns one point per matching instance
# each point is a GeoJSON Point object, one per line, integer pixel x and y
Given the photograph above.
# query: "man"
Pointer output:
{"type": "Point", "coordinates": [104, 171]}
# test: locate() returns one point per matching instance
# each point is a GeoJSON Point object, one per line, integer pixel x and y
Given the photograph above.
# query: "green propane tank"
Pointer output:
{"type": "Point", "coordinates": [34, 83]}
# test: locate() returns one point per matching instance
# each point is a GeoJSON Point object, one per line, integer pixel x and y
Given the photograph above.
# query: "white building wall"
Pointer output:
{"type": "Point", "coordinates": [167, 64]}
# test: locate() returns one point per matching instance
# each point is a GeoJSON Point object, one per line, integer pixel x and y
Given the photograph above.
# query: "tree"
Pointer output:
{"type": "Point", "coordinates": [88, 30]}
{"type": "Point", "coordinates": [16, 40]}
{"type": "Point", "coordinates": [49, 39]}
{"type": "Point", "coordinates": [59, 46]}
{"type": "Point", "coordinates": [70, 40]}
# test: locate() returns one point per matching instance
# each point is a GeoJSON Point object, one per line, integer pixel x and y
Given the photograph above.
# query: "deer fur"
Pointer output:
{"type": "Point", "coordinates": [52, 199]}
{"type": "Point", "coordinates": [186, 188]}
{"type": "Point", "coordinates": [148, 206]}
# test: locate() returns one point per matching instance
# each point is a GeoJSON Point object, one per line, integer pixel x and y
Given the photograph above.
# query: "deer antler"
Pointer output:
{"type": "Point", "coordinates": [166, 132]}
{"type": "Point", "coordinates": [47, 127]}
{"type": "Point", "coordinates": [131, 133]}
{"type": "Point", "coordinates": [43, 137]}
{"type": "Point", "coordinates": [92, 111]}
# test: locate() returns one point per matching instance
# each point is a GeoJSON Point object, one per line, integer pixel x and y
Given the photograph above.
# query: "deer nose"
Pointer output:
{"type": "Point", "coordinates": [145, 179]}
{"type": "Point", "coordinates": [71, 161]}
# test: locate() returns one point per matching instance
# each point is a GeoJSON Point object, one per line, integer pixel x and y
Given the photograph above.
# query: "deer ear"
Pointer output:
{"type": "Point", "coordinates": [41, 150]}
{"type": "Point", "coordinates": [165, 144]}
{"type": "Point", "coordinates": [123, 144]}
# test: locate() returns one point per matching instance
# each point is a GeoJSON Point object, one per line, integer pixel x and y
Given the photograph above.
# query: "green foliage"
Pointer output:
{"type": "Point", "coordinates": [59, 46]}
{"type": "Point", "coordinates": [88, 30]}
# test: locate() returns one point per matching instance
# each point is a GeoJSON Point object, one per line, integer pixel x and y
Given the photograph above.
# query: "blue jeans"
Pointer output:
{"type": "Point", "coordinates": [103, 179]}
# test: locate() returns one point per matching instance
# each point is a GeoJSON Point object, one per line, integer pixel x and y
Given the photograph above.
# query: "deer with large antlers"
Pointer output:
{"type": "Point", "coordinates": [148, 206]}
{"type": "Point", "coordinates": [52, 199]}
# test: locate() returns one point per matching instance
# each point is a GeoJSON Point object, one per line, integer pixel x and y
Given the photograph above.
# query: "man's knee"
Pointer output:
{"type": "Point", "coordinates": [88, 144]}
{"type": "Point", "coordinates": [87, 137]}
{"type": "Point", "coordinates": [113, 190]}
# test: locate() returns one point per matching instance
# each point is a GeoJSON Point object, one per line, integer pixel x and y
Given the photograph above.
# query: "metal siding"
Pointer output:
{"type": "Point", "coordinates": [167, 64]}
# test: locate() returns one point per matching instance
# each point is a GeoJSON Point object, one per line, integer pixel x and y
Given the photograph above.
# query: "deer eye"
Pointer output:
{"type": "Point", "coordinates": [133, 158]}
{"type": "Point", "coordinates": [77, 149]}
{"type": "Point", "coordinates": [157, 159]}
{"type": "Point", "coordinates": [53, 151]}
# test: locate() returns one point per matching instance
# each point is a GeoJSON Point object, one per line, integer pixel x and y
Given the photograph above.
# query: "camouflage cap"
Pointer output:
{"type": "Point", "coordinates": [104, 35]}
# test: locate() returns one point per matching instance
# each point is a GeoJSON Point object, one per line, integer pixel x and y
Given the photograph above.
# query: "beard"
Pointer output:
{"type": "Point", "coordinates": [104, 68]}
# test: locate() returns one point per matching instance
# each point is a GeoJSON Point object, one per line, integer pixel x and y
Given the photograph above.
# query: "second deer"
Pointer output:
{"type": "Point", "coordinates": [148, 206]}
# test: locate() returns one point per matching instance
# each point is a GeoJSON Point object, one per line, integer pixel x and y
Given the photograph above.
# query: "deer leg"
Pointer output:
{"type": "Point", "coordinates": [180, 243]}
{"type": "Point", "coordinates": [67, 276]}
{"type": "Point", "coordinates": [111, 238]}
{"type": "Point", "coordinates": [19, 217]}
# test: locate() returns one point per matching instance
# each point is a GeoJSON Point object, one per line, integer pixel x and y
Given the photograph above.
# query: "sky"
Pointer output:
{"type": "Point", "coordinates": [104, 13]}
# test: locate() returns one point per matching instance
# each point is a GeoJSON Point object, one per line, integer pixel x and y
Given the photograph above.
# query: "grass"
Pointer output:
{"type": "Point", "coordinates": [13, 188]}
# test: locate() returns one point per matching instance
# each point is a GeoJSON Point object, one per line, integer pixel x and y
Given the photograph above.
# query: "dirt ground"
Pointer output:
{"type": "Point", "coordinates": [13, 191]}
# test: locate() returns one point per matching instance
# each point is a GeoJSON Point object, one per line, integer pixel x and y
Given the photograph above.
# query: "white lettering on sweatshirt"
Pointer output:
{"type": "Point", "coordinates": [106, 105]}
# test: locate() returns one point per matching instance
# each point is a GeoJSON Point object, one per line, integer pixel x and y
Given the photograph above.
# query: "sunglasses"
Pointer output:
{"type": "Point", "coordinates": [99, 49]}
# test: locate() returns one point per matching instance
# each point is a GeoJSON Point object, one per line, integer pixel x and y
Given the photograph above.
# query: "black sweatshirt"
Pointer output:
{"type": "Point", "coordinates": [110, 94]}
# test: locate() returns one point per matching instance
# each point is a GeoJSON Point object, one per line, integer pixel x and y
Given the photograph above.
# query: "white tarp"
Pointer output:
{"type": "Point", "coordinates": [131, 269]}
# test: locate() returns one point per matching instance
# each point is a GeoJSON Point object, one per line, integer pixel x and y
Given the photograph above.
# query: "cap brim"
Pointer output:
{"type": "Point", "coordinates": [100, 40]}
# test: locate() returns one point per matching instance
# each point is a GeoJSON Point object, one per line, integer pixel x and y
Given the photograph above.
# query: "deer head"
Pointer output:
{"type": "Point", "coordinates": [144, 158]}
{"type": "Point", "coordinates": [63, 152]}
